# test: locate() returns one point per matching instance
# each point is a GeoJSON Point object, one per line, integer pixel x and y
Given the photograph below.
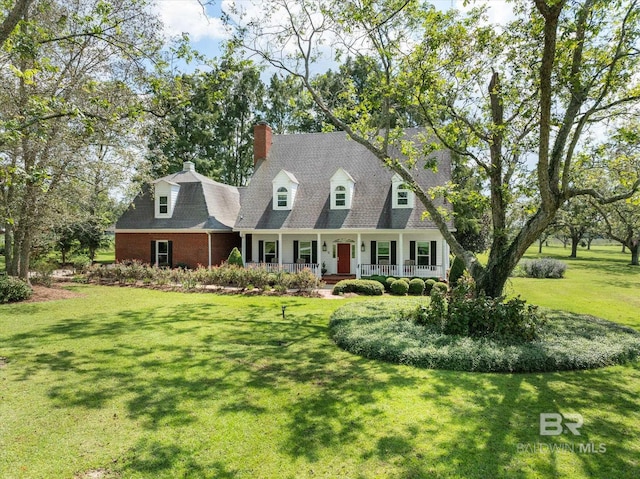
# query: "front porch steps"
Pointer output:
{"type": "Point", "coordinates": [334, 278]}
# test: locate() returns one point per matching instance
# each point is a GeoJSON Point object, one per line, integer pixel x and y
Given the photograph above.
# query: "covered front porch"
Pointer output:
{"type": "Point", "coordinates": [421, 254]}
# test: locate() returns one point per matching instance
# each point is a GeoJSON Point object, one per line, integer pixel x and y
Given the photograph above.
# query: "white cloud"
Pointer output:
{"type": "Point", "coordinates": [188, 16]}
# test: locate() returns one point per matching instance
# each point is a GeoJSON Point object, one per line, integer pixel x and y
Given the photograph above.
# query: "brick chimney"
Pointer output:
{"type": "Point", "coordinates": [261, 141]}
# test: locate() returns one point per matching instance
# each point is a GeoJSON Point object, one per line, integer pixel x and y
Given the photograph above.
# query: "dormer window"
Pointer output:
{"type": "Point", "coordinates": [342, 188]}
{"type": "Point", "coordinates": [283, 196]}
{"type": "Point", "coordinates": [166, 196]}
{"type": "Point", "coordinates": [285, 186]}
{"type": "Point", "coordinates": [403, 196]}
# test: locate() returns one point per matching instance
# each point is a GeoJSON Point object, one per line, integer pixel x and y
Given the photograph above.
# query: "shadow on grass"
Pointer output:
{"type": "Point", "coordinates": [173, 367]}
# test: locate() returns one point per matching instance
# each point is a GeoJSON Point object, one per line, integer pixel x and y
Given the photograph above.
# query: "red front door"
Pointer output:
{"type": "Point", "coordinates": [344, 258]}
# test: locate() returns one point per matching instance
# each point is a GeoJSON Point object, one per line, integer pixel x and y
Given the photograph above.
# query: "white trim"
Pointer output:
{"type": "Point", "coordinates": [209, 246]}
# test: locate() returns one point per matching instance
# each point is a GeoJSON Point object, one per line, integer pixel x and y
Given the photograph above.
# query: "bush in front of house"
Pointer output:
{"type": "Point", "coordinates": [428, 286]}
{"type": "Point", "coordinates": [416, 287]}
{"type": "Point", "coordinates": [235, 258]}
{"type": "Point", "coordinates": [400, 287]}
{"type": "Point", "coordinates": [366, 287]}
{"type": "Point", "coordinates": [440, 286]}
{"type": "Point", "coordinates": [544, 268]}
{"type": "Point", "coordinates": [13, 290]}
{"type": "Point", "coordinates": [456, 271]}
{"type": "Point", "coordinates": [131, 272]}
{"type": "Point", "coordinates": [388, 282]}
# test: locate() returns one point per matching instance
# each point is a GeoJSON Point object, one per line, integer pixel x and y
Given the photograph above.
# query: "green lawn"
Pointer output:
{"type": "Point", "coordinates": [600, 282]}
{"type": "Point", "coordinates": [132, 383]}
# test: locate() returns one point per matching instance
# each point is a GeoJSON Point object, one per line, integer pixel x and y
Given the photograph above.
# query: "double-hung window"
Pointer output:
{"type": "Point", "coordinates": [283, 195]}
{"type": "Point", "coordinates": [422, 253]}
{"type": "Point", "coordinates": [163, 205]}
{"type": "Point", "coordinates": [384, 249]}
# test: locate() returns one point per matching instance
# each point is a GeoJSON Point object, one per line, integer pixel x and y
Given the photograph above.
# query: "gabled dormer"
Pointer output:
{"type": "Point", "coordinates": [285, 186]}
{"type": "Point", "coordinates": [166, 195]}
{"type": "Point", "coordinates": [403, 196]}
{"type": "Point", "coordinates": [342, 187]}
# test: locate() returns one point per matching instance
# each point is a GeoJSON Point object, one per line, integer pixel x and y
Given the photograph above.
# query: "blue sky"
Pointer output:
{"type": "Point", "coordinates": [207, 32]}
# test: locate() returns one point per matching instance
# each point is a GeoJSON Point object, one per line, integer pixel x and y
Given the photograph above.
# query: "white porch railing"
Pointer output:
{"type": "Point", "coordinates": [286, 267]}
{"type": "Point", "coordinates": [397, 270]}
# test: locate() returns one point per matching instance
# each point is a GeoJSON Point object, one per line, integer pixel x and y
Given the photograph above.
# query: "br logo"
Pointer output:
{"type": "Point", "coordinates": [554, 424]}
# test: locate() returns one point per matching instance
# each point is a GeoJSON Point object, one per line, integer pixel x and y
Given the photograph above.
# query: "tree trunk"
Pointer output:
{"type": "Point", "coordinates": [624, 248]}
{"type": "Point", "coordinates": [25, 253]}
{"type": "Point", "coordinates": [635, 250]}
{"type": "Point", "coordinates": [540, 241]}
{"type": "Point", "coordinates": [575, 240]}
{"type": "Point", "coordinates": [589, 240]}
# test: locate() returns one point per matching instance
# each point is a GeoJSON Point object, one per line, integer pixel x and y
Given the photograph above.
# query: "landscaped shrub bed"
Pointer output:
{"type": "Point", "coordinates": [13, 290]}
{"type": "Point", "coordinates": [222, 276]}
{"type": "Point", "coordinates": [365, 287]}
{"type": "Point", "coordinates": [385, 330]}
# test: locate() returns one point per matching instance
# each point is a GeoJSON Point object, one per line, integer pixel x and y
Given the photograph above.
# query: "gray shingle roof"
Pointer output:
{"type": "Point", "coordinates": [313, 158]}
{"type": "Point", "coordinates": [201, 204]}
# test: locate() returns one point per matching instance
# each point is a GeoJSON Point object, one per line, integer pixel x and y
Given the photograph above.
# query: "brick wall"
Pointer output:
{"type": "Point", "coordinates": [188, 248]}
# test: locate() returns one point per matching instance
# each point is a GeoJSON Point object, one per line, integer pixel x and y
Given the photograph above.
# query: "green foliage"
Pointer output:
{"type": "Point", "coordinates": [399, 287]}
{"type": "Point", "coordinates": [388, 282]}
{"type": "Point", "coordinates": [385, 331]}
{"type": "Point", "coordinates": [222, 276]}
{"type": "Point", "coordinates": [456, 271]}
{"type": "Point", "coordinates": [365, 287]}
{"type": "Point", "coordinates": [440, 286]}
{"type": "Point", "coordinates": [544, 268]}
{"type": "Point", "coordinates": [13, 290]}
{"type": "Point", "coordinates": [235, 258]}
{"type": "Point", "coordinates": [43, 272]}
{"type": "Point", "coordinates": [462, 312]}
{"type": "Point", "coordinates": [428, 286]}
{"type": "Point", "coordinates": [416, 287]}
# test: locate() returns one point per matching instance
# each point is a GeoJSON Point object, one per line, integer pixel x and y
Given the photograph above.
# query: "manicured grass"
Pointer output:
{"type": "Point", "coordinates": [142, 383]}
{"type": "Point", "coordinates": [599, 282]}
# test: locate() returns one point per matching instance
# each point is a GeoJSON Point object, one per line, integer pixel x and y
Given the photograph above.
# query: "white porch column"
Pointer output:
{"type": "Point", "coordinates": [446, 262]}
{"type": "Point", "coordinates": [400, 254]}
{"type": "Point", "coordinates": [358, 255]}
{"type": "Point", "coordinates": [319, 253]}
{"type": "Point", "coordinates": [243, 251]}
{"type": "Point", "coordinates": [209, 246]}
{"type": "Point", "coordinates": [279, 251]}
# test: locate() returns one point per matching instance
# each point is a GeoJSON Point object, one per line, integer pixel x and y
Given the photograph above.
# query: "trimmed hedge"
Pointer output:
{"type": "Point", "coordinates": [13, 290]}
{"type": "Point", "coordinates": [416, 287]}
{"type": "Point", "coordinates": [383, 330]}
{"type": "Point", "coordinates": [400, 287]}
{"type": "Point", "coordinates": [365, 287]}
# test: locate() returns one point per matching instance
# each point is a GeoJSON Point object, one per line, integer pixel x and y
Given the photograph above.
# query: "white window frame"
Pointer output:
{"type": "Point", "coordinates": [282, 196]}
{"type": "Point", "coordinates": [163, 203]}
{"type": "Point", "coordinates": [423, 259]}
{"type": "Point", "coordinates": [160, 263]}
{"type": "Point", "coordinates": [305, 251]}
{"type": "Point", "coordinates": [340, 197]}
{"type": "Point", "coordinates": [380, 256]}
{"type": "Point", "coordinates": [270, 257]}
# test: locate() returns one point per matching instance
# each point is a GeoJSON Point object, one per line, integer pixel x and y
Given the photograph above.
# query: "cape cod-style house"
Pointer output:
{"type": "Point", "coordinates": [324, 202]}
{"type": "Point", "coordinates": [183, 219]}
